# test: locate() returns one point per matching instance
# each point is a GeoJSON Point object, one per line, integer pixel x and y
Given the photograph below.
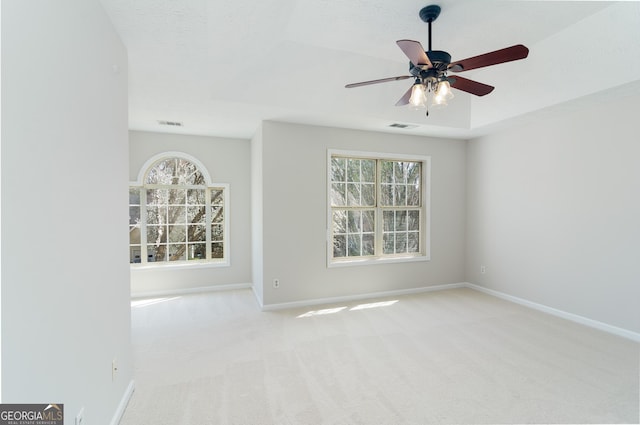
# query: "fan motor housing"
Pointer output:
{"type": "Point", "coordinates": [440, 61]}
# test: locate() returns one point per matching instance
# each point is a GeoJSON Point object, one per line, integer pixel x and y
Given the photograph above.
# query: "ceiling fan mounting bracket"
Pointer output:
{"type": "Point", "coordinates": [430, 13]}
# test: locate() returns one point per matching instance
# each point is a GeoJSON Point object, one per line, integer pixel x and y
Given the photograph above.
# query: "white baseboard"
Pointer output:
{"type": "Point", "coordinates": [358, 297]}
{"type": "Point", "coordinates": [188, 291]}
{"type": "Point", "coordinates": [634, 336]}
{"type": "Point", "coordinates": [124, 401]}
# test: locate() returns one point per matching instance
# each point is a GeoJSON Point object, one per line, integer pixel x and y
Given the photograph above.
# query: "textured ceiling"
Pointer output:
{"type": "Point", "coordinates": [221, 67]}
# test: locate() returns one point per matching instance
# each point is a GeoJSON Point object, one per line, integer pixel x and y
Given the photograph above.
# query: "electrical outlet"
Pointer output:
{"type": "Point", "coordinates": [114, 369]}
{"type": "Point", "coordinates": [80, 417]}
{"type": "Point", "coordinates": [483, 269]}
{"type": "Point", "coordinates": [276, 283]}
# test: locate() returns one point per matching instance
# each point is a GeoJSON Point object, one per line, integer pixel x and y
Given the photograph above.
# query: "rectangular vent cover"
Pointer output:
{"type": "Point", "coordinates": [171, 123]}
{"type": "Point", "coordinates": [404, 126]}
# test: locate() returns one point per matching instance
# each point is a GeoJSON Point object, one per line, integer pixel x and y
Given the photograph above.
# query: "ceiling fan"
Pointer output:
{"type": "Point", "coordinates": [429, 68]}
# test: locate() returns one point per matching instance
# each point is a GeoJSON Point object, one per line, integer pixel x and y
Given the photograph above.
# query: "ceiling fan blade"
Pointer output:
{"type": "Point", "coordinates": [415, 52]}
{"type": "Point", "coordinates": [470, 86]}
{"type": "Point", "coordinates": [404, 100]}
{"type": "Point", "coordinates": [382, 80]}
{"type": "Point", "coordinates": [508, 54]}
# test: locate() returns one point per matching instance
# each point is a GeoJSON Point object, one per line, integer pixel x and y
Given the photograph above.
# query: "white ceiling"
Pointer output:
{"type": "Point", "coordinates": [222, 66]}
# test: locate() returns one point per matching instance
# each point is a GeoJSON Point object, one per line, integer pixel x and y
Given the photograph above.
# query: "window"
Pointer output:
{"type": "Point", "coordinates": [176, 215]}
{"type": "Point", "coordinates": [378, 206]}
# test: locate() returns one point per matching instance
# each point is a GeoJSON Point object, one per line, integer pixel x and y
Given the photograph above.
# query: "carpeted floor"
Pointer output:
{"type": "Point", "coordinates": [455, 356]}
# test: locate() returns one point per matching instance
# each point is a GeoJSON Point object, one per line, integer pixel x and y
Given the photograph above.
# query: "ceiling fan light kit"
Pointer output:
{"type": "Point", "coordinates": [432, 86]}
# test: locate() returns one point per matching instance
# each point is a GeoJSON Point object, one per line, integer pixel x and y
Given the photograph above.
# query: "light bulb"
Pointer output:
{"type": "Point", "coordinates": [444, 90]}
{"type": "Point", "coordinates": [418, 97]}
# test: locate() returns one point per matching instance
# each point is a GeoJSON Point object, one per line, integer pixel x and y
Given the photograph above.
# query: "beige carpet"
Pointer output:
{"type": "Point", "coordinates": [455, 356]}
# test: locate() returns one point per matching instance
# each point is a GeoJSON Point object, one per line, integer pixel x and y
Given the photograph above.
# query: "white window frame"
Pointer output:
{"type": "Point", "coordinates": [425, 229]}
{"type": "Point", "coordinates": [140, 184]}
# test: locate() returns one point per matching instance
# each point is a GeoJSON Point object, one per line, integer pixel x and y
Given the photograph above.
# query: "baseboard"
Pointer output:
{"type": "Point", "coordinates": [634, 336]}
{"type": "Point", "coordinates": [358, 297]}
{"type": "Point", "coordinates": [257, 296]}
{"type": "Point", "coordinates": [122, 406]}
{"type": "Point", "coordinates": [188, 291]}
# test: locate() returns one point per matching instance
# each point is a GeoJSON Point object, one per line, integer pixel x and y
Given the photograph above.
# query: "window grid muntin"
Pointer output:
{"type": "Point", "coordinates": [411, 182]}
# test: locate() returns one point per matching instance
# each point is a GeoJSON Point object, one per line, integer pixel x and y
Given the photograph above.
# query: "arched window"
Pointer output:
{"type": "Point", "coordinates": [176, 214]}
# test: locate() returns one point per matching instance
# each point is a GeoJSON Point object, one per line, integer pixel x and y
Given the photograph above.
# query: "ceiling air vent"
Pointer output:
{"type": "Point", "coordinates": [171, 123]}
{"type": "Point", "coordinates": [403, 126]}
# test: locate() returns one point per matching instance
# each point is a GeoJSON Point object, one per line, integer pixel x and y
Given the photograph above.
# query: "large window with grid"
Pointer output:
{"type": "Point", "coordinates": [378, 207]}
{"type": "Point", "coordinates": [176, 215]}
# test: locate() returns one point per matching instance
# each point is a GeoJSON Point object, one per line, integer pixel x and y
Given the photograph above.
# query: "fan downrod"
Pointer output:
{"type": "Point", "coordinates": [430, 13]}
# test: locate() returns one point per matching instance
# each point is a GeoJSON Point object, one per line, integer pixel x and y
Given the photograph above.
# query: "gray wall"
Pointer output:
{"type": "Point", "coordinates": [553, 211]}
{"type": "Point", "coordinates": [65, 277]}
{"type": "Point", "coordinates": [227, 161]}
{"type": "Point", "coordinates": [293, 192]}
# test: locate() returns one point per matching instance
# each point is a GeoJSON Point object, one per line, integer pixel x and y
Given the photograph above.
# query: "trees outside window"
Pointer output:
{"type": "Point", "coordinates": [176, 215]}
{"type": "Point", "coordinates": [377, 207]}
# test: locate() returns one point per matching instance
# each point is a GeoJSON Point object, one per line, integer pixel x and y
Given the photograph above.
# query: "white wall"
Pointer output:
{"type": "Point", "coordinates": [553, 211]}
{"type": "Point", "coordinates": [65, 277]}
{"type": "Point", "coordinates": [294, 176]}
{"type": "Point", "coordinates": [227, 161]}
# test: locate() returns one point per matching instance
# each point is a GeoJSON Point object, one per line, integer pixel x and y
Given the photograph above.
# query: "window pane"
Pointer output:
{"type": "Point", "coordinates": [217, 250]}
{"type": "Point", "coordinates": [413, 195]}
{"type": "Point", "coordinates": [338, 194]}
{"type": "Point", "coordinates": [196, 233]}
{"type": "Point", "coordinates": [134, 215]}
{"type": "Point", "coordinates": [340, 246]}
{"type": "Point", "coordinates": [368, 170]}
{"type": "Point", "coordinates": [354, 245]}
{"type": "Point", "coordinates": [413, 222]}
{"type": "Point", "coordinates": [353, 170]}
{"type": "Point", "coordinates": [398, 172]}
{"type": "Point", "coordinates": [386, 172]}
{"type": "Point", "coordinates": [368, 244]}
{"type": "Point", "coordinates": [217, 232]}
{"type": "Point", "coordinates": [177, 215]}
{"type": "Point", "coordinates": [156, 215]}
{"type": "Point", "coordinates": [196, 214]}
{"type": "Point", "coordinates": [353, 221]}
{"type": "Point", "coordinates": [134, 235]}
{"type": "Point", "coordinates": [217, 197]}
{"type": "Point", "coordinates": [177, 252]}
{"type": "Point", "coordinates": [401, 221]}
{"type": "Point", "coordinates": [177, 234]}
{"type": "Point", "coordinates": [217, 214]}
{"type": "Point", "coordinates": [338, 166]}
{"type": "Point", "coordinates": [400, 195]}
{"type": "Point", "coordinates": [387, 195]}
{"type": "Point", "coordinates": [134, 254]}
{"type": "Point", "coordinates": [339, 221]}
{"type": "Point", "coordinates": [156, 234]}
{"type": "Point", "coordinates": [353, 194]}
{"type": "Point", "coordinates": [413, 242]}
{"type": "Point", "coordinates": [196, 197]}
{"type": "Point", "coordinates": [156, 253]}
{"type": "Point", "coordinates": [369, 221]}
{"type": "Point", "coordinates": [401, 242]}
{"type": "Point", "coordinates": [413, 173]}
{"type": "Point", "coordinates": [157, 196]}
{"type": "Point", "coordinates": [197, 251]}
{"type": "Point", "coordinates": [387, 221]}
{"type": "Point", "coordinates": [388, 242]}
{"type": "Point", "coordinates": [368, 195]}
{"type": "Point", "coordinates": [177, 196]}
{"type": "Point", "coordinates": [134, 196]}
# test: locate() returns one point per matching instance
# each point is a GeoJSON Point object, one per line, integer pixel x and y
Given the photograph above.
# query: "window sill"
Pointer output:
{"type": "Point", "coordinates": [376, 260]}
{"type": "Point", "coordinates": [179, 265]}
